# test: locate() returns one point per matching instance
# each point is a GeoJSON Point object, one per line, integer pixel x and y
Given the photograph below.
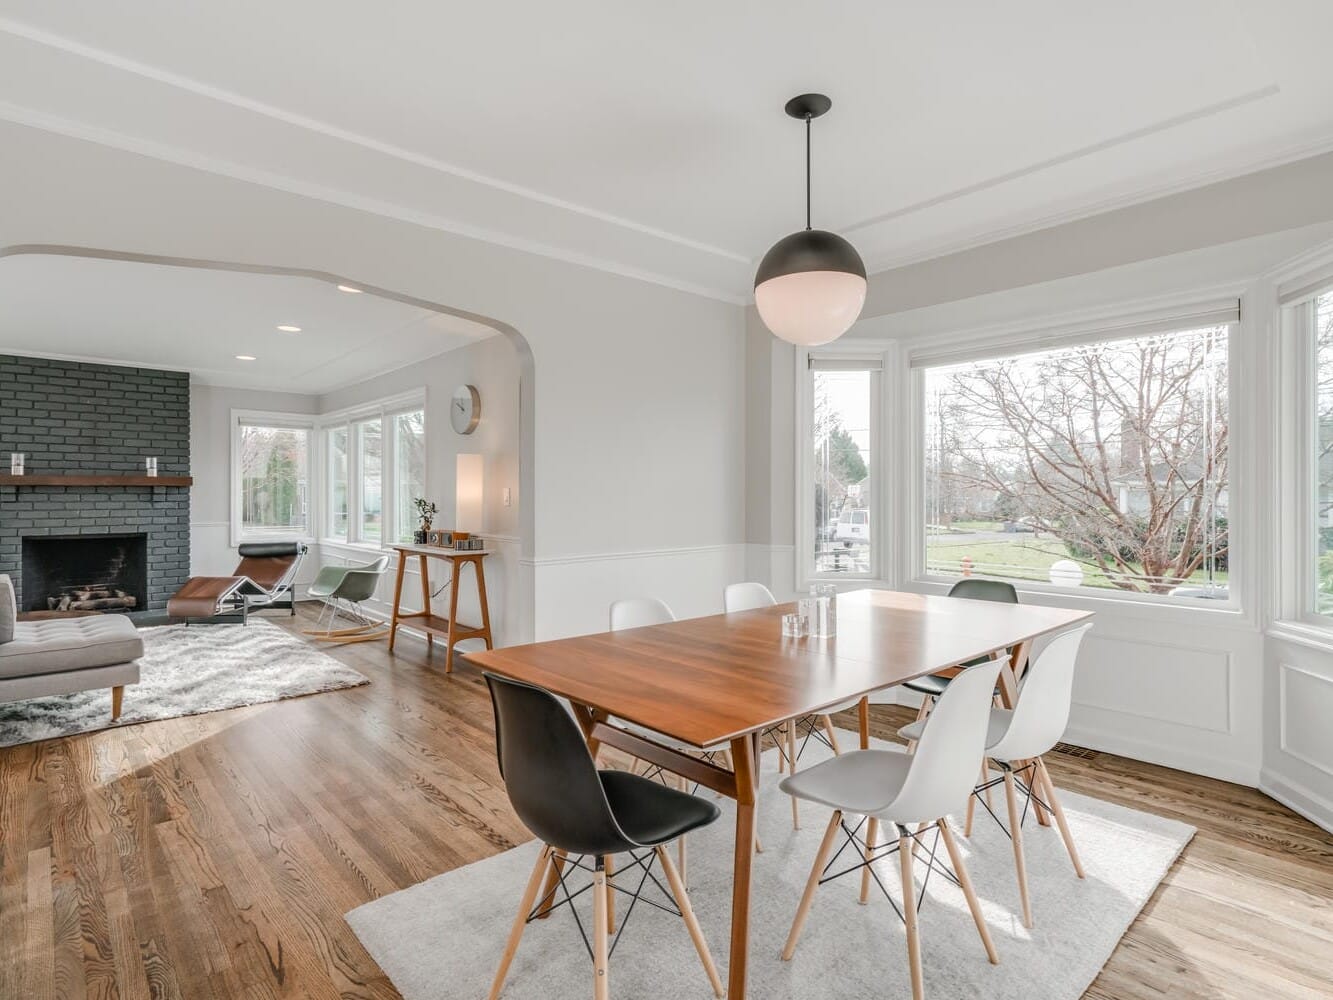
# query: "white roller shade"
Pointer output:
{"type": "Point", "coordinates": [844, 364]}
{"type": "Point", "coordinates": [993, 345]}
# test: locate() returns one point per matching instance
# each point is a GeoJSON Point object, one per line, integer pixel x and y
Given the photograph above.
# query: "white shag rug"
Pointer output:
{"type": "Point", "coordinates": [188, 671]}
{"type": "Point", "coordinates": [442, 938]}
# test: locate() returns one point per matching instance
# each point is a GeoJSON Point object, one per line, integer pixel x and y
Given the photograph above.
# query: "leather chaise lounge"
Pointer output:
{"type": "Point", "coordinates": [264, 578]}
{"type": "Point", "coordinates": [39, 659]}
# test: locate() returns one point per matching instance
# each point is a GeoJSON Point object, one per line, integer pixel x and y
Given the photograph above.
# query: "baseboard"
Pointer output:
{"type": "Point", "coordinates": [1296, 797]}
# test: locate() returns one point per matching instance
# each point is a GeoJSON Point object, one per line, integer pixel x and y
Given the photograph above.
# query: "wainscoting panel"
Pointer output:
{"type": "Point", "coordinates": [574, 593]}
{"type": "Point", "coordinates": [1298, 744]}
{"type": "Point", "coordinates": [1186, 697]}
{"type": "Point", "coordinates": [1151, 679]}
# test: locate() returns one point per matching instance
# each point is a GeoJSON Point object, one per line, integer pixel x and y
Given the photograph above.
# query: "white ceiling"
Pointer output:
{"type": "Point", "coordinates": [649, 139]}
{"type": "Point", "coordinates": [197, 320]}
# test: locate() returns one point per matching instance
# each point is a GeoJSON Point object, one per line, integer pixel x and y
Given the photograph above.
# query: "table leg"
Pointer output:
{"type": "Point", "coordinates": [863, 718]}
{"type": "Point", "coordinates": [1010, 675]}
{"type": "Point", "coordinates": [481, 596]}
{"type": "Point", "coordinates": [453, 616]}
{"type": "Point", "coordinates": [425, 599]}
{"type": "Point", "coordinates": [744, 761]}
{"type": "Point", "coordinates": [397, 599]}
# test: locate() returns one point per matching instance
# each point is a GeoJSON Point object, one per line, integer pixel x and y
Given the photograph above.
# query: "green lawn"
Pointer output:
{"type": "Point", "coordinates": [1027, 557]}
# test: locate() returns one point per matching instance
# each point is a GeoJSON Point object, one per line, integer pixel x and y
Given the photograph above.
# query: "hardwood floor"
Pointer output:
{"type": "Point", "coordinates": [215, 856]}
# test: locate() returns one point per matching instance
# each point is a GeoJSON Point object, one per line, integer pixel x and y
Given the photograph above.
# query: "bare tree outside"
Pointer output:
{"type": "Point", "coordinates": [1111, 455]}
{"type": "Point", "coordinates": [273, 464]}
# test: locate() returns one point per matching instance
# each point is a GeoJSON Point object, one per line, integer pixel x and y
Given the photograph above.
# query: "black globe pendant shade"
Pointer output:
{"type": "Point", "coordinates": [811, 285]}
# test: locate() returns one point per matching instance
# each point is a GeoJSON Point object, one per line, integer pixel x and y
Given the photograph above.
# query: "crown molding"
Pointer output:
{"type": "Point", "coordinates": [336, 196]}
{"type": "Point", "coordinates": [309, 124]}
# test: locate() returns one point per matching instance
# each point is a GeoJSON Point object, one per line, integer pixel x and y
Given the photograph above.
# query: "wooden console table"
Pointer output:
{"type": "Point", "coordinates": [429, 622]}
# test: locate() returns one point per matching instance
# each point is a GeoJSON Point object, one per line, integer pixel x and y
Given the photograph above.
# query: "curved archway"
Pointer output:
{"type": "Point", "coordinates": [525, 615]}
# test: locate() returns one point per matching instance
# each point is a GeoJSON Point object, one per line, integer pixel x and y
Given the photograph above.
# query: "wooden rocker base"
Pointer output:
{"type": "Point", "coordinates": [369, 632]}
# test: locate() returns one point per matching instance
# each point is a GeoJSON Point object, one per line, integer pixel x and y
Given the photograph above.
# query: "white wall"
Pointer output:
{"type": "Point", "coordinates": [638, 392]}
{"type": "Point", "coordinates": [492, 366]}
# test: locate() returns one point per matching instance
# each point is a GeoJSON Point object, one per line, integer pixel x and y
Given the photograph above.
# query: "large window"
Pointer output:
{"type": "Point", "coordinates": [1322, 308]}
{"type": "Point", "coordinates": [844, 399]}
{"type": "Point", "coordinates": [376, 467]}
{"type": "Point", "coordinates": [370, 479]}
{"type": "Point", "coordinates": [1098, 465]}
{"type": "Point", "coordinates": [273, 474]}
{"type": "Point", "coordinates": [339, 499]}
{"type": "Point", "coordinates": [409, 431]}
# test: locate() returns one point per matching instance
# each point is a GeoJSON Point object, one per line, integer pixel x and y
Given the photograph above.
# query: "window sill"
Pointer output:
{"type": "Point", "coordinates": [237, 540]}
{"type": "Point", "coordinates": [1303, 633]}
{"type": "Point", "coordinates": [342, 543]}
{"type": "Point", "coordinates": [1225, 614]}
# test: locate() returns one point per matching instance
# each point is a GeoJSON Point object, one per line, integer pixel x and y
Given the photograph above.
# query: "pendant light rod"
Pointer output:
{"type": "Point", "coordinates": [808, 120]}
{"type": "Point", "coordinates": [807, 108]}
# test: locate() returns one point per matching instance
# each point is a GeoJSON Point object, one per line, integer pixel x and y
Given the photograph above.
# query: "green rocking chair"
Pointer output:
{"type": "Point", "coordinates": [342, 589]}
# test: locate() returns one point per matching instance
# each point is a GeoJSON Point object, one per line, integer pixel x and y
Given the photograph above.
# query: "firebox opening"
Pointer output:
{"type": "Point", "coordinates": [105, 573]}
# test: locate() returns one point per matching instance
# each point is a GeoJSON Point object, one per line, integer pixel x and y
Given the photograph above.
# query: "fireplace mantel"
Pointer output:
{"type": "Point", "coordinates": [85, 480]}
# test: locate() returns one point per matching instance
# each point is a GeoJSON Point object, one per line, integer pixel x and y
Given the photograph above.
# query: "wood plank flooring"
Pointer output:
{"type": "Point", "coordinates": [215, 856]}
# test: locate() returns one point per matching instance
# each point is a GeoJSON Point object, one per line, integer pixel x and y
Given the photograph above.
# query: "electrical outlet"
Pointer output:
{"type": "Point", "coordinates": [508, 498]}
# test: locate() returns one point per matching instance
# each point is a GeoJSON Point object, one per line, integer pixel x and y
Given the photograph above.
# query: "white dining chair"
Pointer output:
{"type": "Point", "coordinates": [640, 612]}
{"type": "Point", "coordinates": [746, 597]}
{"type": "Point", "coordinates": [1016, 741]}
{"type": "Point", "coordinates": [904, 790]}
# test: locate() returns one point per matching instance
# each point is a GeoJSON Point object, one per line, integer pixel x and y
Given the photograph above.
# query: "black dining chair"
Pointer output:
{"type": "Point", "coordinates": [584, 818]}
{"type": "Point", "coordinates": [933, 685]}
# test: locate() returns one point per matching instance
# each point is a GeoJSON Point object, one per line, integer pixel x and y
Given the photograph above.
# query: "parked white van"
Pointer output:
{"type": "Point", "coordinates": [853, 526]}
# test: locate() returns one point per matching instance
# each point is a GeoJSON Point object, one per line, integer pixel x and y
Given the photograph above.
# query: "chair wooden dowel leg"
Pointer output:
{"type": "Point", "coordinates": [832, 734]}
{"type": "Point", "coordinates": [985, 768]}
{"type": "Point", "coordinates": [1016, 835]}
{"type": "Point", "coordinates": [872, 834]}
{"type": "Point", "coordinates": [601, 983]}
{"type": "Point", "coordinates": [916, 840]}
{"type": "Point", "coordinates": [811, 884]}
{"type": "Point", "coordinates": [791, 764]}
{"type": "Point", "coordinates": [972, 800]}
{"type": "Point", "coordinates": [552, 880]}
{"type": "Point", "coordinates": [926, 705]}
{"type": "Point", "coordinates": [691, 924]}
{"type": "Point", "coordinates": [682, 854]}
{"type": "Point", "coordinates": [909, 917]}
{"type": "Point", "coordinates": [1056, 808]}
{"type": "Point", "coordinates": [964, 880]}
{"type": "Point", "coordinates": [521, 921]}
{"type": "Point", "coordinates": [611, 893]}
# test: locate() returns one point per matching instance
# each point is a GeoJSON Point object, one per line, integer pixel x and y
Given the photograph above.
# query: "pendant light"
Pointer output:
{"type": "Point", "coordinates": [811, 285]}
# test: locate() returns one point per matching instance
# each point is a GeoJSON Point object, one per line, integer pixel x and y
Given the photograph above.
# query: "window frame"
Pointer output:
{"type": "Point", "coordinates": [1054, 335]}
{"type": "Point", "coordinates": [385, 410]}
{"type": "Point", "coordinates": [1298, 438]}
{"type": "Point", "coordinates": [883, 540]}
{"type": "Point", "coordinates": [288, 421]}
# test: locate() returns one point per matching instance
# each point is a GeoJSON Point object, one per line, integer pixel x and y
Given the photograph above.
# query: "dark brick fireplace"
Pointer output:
{"type": "Point", "coordinates": [71, 418]}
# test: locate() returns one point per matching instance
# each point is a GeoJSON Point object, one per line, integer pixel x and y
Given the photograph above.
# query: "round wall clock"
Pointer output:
{"type": "Point", "coordinates": [465, 409]}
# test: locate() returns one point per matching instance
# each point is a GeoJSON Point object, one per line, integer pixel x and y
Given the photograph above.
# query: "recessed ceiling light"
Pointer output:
{"type": "Point", "coordinates": [287, 328]}
{"type": "Point", "coordinates": [245, 357]}
{"type": "Point", "coordinates": [350, 289]}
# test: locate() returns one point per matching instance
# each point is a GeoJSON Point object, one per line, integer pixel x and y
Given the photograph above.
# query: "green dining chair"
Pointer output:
{"type": "Point", "coordinates": [342, 589]}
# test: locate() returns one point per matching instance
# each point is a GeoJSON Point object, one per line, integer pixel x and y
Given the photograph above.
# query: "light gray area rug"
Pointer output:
{"type": "Point", "coordinates": [443, 937]}
{"type": "Point", "coordinates": [188, 671]}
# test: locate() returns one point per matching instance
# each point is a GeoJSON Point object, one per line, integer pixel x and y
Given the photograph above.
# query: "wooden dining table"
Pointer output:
{"type": "Point", "coordinates": [725, 679]}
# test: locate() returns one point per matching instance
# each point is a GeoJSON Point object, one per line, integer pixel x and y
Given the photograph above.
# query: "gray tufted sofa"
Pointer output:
{"type": "Point", "coordinates": [65, 655]}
